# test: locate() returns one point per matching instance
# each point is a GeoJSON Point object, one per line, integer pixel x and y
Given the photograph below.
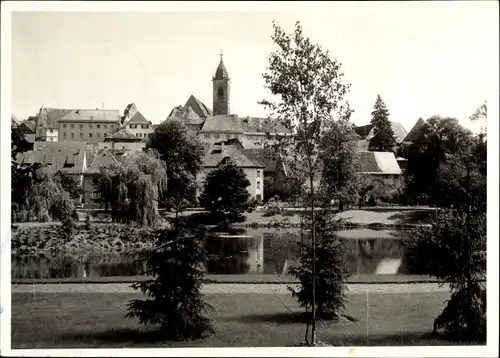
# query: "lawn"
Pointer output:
{"type": "Point", "coordinates": [96, 320]}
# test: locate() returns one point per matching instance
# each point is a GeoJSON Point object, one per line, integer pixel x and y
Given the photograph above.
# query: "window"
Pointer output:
{"type": "Point", "coordinates": [90, 125]}
{"type": "Point", "coordinates": [111, 126]}
{"type": "Point", "coordinates": [258, 173]}
{"type": "Point", "coordinates": [81, 126]}
{"type": "Point", "coordinates": [207, 135]}
{"type": "Point", "coordinates": [50, 130]}
{"type": "Point", "coordinates": [64, 134]}
{"type": "Point", "coordinates": [133, 126]}
{"type": "Point", "coordinates": [72, 125]}
{"type": "Point", "coordinates": [258, 185]}
{"type": "Point", "coordinates": [81, 135]}
{"type": "Point", "coordinates": [220, 94]}
{"type": "Point", "coordinates": [90, 135]}
{"type": "Point", "coordinates": [72, 135]}
{"type": "Point", "coordinates": [217, 135]}
{"type": "Point", "coordinates": [98, 135]}
{"type": "Point", "coordinates": [258, 197]}
{"type": "Point", "coordinates": [145, 126]}
{"type": "Point", "coordinates": [105, 126]}
{"type": "Point", "coordinates": [64, 125]}
{"type": "Point", "coordinates": [98, 126]}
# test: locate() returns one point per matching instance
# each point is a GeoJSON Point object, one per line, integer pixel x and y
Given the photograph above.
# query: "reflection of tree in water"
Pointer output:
{"type": "Point", "coordinates": [227, 255]}
{"type": "Point", "coordinates": [365, 254]}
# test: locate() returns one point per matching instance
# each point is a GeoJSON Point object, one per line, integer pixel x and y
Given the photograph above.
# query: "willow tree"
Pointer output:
{"type": "Point", "coordinates": [132, 188]}
{"type": "Point", "coordinates": [308, 98]}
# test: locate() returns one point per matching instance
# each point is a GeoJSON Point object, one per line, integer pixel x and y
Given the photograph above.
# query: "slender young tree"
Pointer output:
{"type": "Point", "coordinates": [308, 96]}
{"type": "Point", "coordinates": [383, 139]}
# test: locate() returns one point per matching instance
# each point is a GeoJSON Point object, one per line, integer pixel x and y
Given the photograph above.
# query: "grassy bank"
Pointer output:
{"type": "Point", "coordinates": [239, 279]}
{"type": "Point", "coordinates": [97, 321]}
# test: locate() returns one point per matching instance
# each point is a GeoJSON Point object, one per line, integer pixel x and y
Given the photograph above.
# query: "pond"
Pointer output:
{"type": "Point", "coordinates": [369, 252]}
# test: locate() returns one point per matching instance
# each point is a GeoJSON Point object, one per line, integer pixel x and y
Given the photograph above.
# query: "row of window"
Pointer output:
{"type": "Point", "coordinates": [229, 136]}
{"type": "Point", "coordinates": [143, 126]}
{"type": "Point", "coordinates": [72, 135]}
{"type": "Point", "coordinates": [98, 126]}
{"type": "Point", "coordinates": [143, 135]}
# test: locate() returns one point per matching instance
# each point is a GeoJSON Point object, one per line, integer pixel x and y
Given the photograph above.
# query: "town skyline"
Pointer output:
{"type": "Point", "coordinates": [157, 67]}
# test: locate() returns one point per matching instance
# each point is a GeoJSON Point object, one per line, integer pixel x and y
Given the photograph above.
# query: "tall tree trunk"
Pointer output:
{"type": "Point", "coordinates": [313, 233]}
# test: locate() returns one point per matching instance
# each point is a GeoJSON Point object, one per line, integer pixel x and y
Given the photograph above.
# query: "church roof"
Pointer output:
{"type": "Point", "coordinates": [233, 124]}
{"type": "Point", "coordinates": [221, 71]}
{"type": "Point", "coordinates": [198, 106]}
{"type": "Point", "coordinates": [186, 114]}
{"type": "Point", "coordinates": [222, 123]}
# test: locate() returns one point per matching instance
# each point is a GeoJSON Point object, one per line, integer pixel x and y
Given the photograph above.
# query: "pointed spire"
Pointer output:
{"type": "Point", "coordinates": [221, 71]}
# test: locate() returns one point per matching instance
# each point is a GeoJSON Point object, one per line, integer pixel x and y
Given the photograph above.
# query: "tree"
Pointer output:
{"type": "Point", "coordinates": [383, 139]}
{"type": "Point", "coordinates": [454, 247]}
{"type": "Point", "coordinates": [438, 139]}
{"type": "Point", "coordinates": [70, 184]}
{"type": "Point", "coordinates": [35, 193]}
{"type": "Point", "coordinates": [481, 116]}
{"type": "Point", "coordinates": [174, 299]}
{"type": "Point", "coordinates": [225, 195]}
{"type": "Point", "coordinates": [132, 188]}
{"type": "Point", "coordinates": [308, 96]}
{"type": "Point", "coordinates": [183, 156]}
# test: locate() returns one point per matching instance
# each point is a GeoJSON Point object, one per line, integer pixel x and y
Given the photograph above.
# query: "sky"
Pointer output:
{"type": "Point", "coordinates": [423, 58]}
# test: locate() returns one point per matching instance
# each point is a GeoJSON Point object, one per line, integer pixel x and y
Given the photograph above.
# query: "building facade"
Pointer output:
{"type": "Point", "coordinates": [233, 150]}
{"type": "Point", "coordinates": [47, 123]}
{"type": "Point", "coordinates": [122, 140]}
{"type": "Point", "coordinates": [88, 125]}
{"type": "Point", "coordinates": [135, 123]}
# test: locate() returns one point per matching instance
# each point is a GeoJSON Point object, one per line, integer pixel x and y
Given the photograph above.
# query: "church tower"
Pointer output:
{"type": "Point", "coordinates": [221, 89]}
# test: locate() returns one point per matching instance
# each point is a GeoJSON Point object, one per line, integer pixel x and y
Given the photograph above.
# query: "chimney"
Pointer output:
{"type": "Point", "coordinates": [222, 148]}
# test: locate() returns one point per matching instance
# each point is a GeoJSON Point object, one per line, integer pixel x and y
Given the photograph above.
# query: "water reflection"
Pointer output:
{"type": "Point", "coordinates": [266, 253]}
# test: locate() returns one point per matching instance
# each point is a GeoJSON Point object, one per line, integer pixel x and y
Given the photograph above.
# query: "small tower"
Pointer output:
{"type": "Point", "coordinates": [221, 89]}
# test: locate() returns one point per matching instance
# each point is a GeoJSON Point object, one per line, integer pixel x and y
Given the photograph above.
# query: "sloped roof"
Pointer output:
{"type": "Point", "coordinates": [49, 117]}
{"type": "Point", "coordinates": [98, 115]}
{"type": "Point", "coordinates": [122, 134]}
{"type": "Point", "coordinates": [221, 71]}
{"type": "Point", "coordinates": [198, 106]}
{"type": "Point", "coordinates": [379, 163]}
{"type": "Point", "coordinates": [30, 137]}
{"type": "Point", "coordinates": [103, 158]}
{"type": "Point", "coordinates": [266, 156]}
{"type": "Point", "coordinates": [138, 118]}
{"type": "Point", "coordinates": [222, 123]}
{"type": "Point", "coordinates": [28, 126]}
{"type": "Point", "coordinates": [233, 124]}
{"type": "Point", "coordinates": [366, 132]}
{"type": "Point", "coordinates": [221, 150]}
{"type": "Point", "coordinates": [414, 132]}
{"type": "Point", "coordinates": [15, 122]}
{"type": "Point", "coordinates": [186, 114]}
{"type": "Point", "coordinates": [67, 157]}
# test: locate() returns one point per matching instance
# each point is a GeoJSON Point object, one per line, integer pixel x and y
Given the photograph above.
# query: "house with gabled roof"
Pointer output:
{"type": "Point", "coordinates": [233, 149]}
{"type": "Point", "coordinates": [103, 158]}
{"type": "Point", "coordinates": [381, 167]}
{"type": "Point", "coordinates": [123, 139]}
{"type": "Point", "coordinates": [136, 123]}
{"type": "Point", "coordinates": [47, 123]}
